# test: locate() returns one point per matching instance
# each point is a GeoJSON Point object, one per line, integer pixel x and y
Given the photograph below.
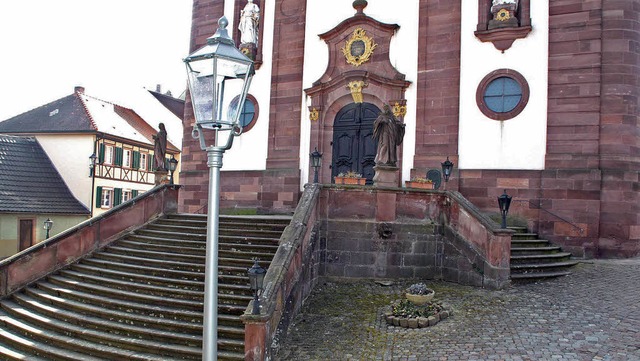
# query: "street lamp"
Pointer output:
{"type": "Point", "coordinates": [48, 224]}
{"type": "Point", "coordinates": [447, 167]}
{"type": "Point", "coordinates": [256, 281]}
{"type": "Point", "coordinates": [504, 201]}
{"type": "Point", "coordinates": [92, 164]}
{"type": "Point", "coordinates": [212, 70]}
{"type": "Point", "coordinates": [316, 157]}
{"type": "Point", "coordinates": [173, 164]}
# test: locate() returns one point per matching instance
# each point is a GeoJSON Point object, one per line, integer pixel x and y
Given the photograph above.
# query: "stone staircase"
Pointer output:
{"type": "Point", "coordinates": [533, 259]}
{"type": "Point", "coordinates": [141, 298]}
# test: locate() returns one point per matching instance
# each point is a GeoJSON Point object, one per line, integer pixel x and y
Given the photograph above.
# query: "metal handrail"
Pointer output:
{"type": "Point", "coordinates": [538, 206]}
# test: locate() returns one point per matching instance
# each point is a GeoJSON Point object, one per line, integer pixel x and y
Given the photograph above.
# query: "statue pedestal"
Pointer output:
{"type": "Point", "coordinates": [161, 177]}
{"type": "Point", "coordinates": [386, 176]}
{"type": "Point", "coordinates": [504, 16]}
{"type": "Point", "coordinates": [249, 49]}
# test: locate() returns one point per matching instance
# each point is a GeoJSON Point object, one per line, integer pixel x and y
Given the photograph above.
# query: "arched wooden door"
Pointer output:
{"type": "Point", "coordinates": [353, 145]}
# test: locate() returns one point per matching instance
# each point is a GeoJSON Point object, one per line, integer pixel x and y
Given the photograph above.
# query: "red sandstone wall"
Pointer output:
{"type": "Point", "coordinates": [438, 84]}
{"type": "Point", "coordinates": [590, 182]}
{"type": "Point", "coordinates": [276, 189]}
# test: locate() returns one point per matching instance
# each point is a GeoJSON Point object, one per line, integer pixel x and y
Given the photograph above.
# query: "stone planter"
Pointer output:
{"type": "Point", "coordinates": [418, 185]}
{"type": "Point", "coordinates": [419, 300]}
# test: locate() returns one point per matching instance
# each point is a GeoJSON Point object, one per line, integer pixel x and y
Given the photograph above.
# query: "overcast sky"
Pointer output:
{"type": "Point", "coordinates": [111, 47]}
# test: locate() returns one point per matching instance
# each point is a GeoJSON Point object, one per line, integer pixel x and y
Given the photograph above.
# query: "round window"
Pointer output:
{"type": "Point", "coordinates": [248, 113]}
{"type": "Point", "coordinates": [502, 94]}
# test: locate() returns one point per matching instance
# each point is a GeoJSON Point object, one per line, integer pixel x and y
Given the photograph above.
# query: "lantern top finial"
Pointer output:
{"type": "Point", "coordinates": [222, 34]}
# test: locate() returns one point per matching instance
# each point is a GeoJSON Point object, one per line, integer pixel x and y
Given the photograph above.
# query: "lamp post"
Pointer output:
{"type": "Point", "coordinates": [212, 70]}
{"type": "Point", "coordinates": [316, 157]}
{"type": "Point", "coordinates": [173, 164]}
{"type": "Point", "coordinates": [92, 164]}
{"type": "Point", "coordinates": [256, 281]}
{"type": "Point", "coordinates": [504, 201]}
{"type": "Point", "coordinates": [48, 224]}
{"type": "Point", "coordinates": [447, 167]}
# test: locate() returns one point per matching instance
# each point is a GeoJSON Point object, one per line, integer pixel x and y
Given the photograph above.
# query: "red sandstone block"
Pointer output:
{"type": "Point", "coordinates": [512, 183]}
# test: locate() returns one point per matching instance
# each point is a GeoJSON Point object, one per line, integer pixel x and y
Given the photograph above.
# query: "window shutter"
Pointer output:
{"type": "Point", "coordinates": [118, 160]}
{"type": "Point", "coordinates": [136, 159]}
{"type": "Point", "coordinates": [149, 162]}
{"type": "Point", "coordinates": [117, 196]}
{"type": "Point", "coordinates": [98, 196]}
{"type": "Point", "coordinates": [101, 153]}
{"type": "Point", "coordinates": [134, 193]}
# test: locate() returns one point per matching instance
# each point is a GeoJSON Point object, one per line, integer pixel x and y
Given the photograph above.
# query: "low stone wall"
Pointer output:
{"type": "Point", "coordinates": [289, 280]}
{"type": "Point", "coordinates": [77, 242]}
{"type": "Point", "coordinates": [365, 232]}
{"type": "Point", "coordinates": [382, 233]}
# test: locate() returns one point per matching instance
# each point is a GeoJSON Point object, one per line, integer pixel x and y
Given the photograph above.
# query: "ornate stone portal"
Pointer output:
{"type": "Point", "coordinates": [357, 73]}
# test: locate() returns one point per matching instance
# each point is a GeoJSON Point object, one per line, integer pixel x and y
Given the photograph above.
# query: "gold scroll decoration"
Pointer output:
{"type": "Point", "coordinates": [359, 48]}
{"type": "Point", "coordinates": [399, 110]}
{"type": "Point", "coordinates": [314, 114]}
{"type": "Point", "coordinates": [356, 87]}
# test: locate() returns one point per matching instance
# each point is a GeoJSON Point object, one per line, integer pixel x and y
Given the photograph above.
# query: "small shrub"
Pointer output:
{"type": "Point", "coordinates": [419, 289]}
{"type": "Point", "coordinates": [406, 309]}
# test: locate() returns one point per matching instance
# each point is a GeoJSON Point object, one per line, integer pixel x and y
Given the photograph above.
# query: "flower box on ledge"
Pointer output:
{"type": "Point", "coordinates": [350, 180]}
{"type": "Point", "coordinates": [418, 184]}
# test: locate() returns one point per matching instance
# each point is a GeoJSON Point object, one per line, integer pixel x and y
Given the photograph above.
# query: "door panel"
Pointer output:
{"type": "Point", "coordinates": [26, 233]}
{"type": "Point", "coordinates": [353, 145]}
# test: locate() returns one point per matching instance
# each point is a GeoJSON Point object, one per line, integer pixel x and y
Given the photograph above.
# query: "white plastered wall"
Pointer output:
{"type": "Point", "coordinates": [249, 151]}
{"type": "Point", "coordinates": [70, 154]}
{"type": "Point", "coordinates": [520, 142]}
{"type": "Point", "coordinates": [323, 16]}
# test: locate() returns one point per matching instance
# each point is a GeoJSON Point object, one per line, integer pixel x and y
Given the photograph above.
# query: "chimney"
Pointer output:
{"type": "Point", "coordinates": [158, 88]}
{"type": "Point", "coordinates": [79, 89]}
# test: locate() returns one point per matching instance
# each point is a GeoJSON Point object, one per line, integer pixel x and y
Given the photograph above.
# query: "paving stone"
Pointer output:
{"type": "Point", "coordinates": [592, 314]}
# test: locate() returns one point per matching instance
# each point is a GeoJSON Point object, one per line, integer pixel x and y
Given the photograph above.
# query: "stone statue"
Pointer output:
{"type": "Point", "coordinates": [159, 148]}
{"type": "Point", "coordinates": [388, 131]}
{"type": "Point", "coordinates": [248, 25]}
{"type": "Point", "coordinates": [503, 2]}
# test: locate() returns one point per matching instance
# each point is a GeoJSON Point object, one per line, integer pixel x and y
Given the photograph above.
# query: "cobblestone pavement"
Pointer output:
{"type": "Point", "coordinates": [593, 314]}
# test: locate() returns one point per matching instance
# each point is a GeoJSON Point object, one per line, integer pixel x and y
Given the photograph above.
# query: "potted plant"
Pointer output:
{"type": "Point", "coordinates": [419, 294]}
{"type": "Point", "coordinates": [350, 177]}
{"type": "Point", "coordinates": [419, 182]}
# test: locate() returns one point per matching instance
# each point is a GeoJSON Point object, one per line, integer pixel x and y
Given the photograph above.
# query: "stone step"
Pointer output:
{"type": "Point", "coordinates": [539, 258]}
{"type": "Point", "coordinates": [24, 347]}
{"type": "Point", "coordinates": [515, 251]}
{"type": "Point", "coordinates": [87, 341]}
{"type": "Point", "coordinates": [140, 308]}
{"type": "Point", "coordinates": [193, 326]}
{"type": "Point", "coordinates": [142, 297]}
{"type": "Point", "coordinates": [534, 276]}
{"type": "Point", "coordinates": [10, 354]}
{"type": "Point", "coordinates": [222, 230]}
{"type": "Point", "coordinates": [523, 236]}
{"type": "Point", "coordinates": [530, 243]}
{"type": "Point", "coordinates": [542, 267]}
{"type": "Point", "coordinates": [126, 268]}
{"type": "Point", "coordinates": [145, 330]}
{"type": "Point", "coordinates": [235, 237]}
{"type": "Point", "coordinates": [158, 288]}
{"type": "Point", "coordinates": [252, 222]}
{"type": "Point", "coordinates": [181, 249]}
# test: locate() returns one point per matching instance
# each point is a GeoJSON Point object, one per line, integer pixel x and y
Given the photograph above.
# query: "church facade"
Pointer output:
{"type": "Point", "coordinates": [538, 98]}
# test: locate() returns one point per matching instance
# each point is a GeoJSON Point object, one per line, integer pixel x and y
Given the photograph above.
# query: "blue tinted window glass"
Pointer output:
{"type": "Point", "coordinates": [495, 87]}
{"type": "Point", "coordinates": [247, 113]}
{"type": "Point", "coordinates": [511, 87]}
{"type": "Point", "coordinates": [502, 95]}
{"type": "Point", "coordinates": [510, 102]}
